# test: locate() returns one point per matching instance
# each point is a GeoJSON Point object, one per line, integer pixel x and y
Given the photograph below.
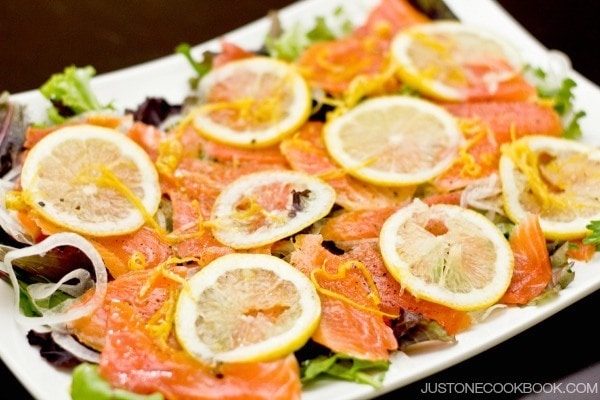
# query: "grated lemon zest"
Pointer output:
{"type": "Point", "coordinates": [170, 154]}
{"type": "Point", "coordinates": [254, 210]}
{"type": "Point", "coordinates": [341, 273]}
{"type": "Point", "coordinates": [305, 145]}
{"type": "Point", "coordinates": [15, 200]}
{"type": "Point", "coordinates": [527, 162]}
{"type": "Point", "coordinates": [137, 261]}
{"type": "Point", "coordinates": [178, 235]}
{"type": "Point", "coordinates": [108, 179]}
{"type": "Point", "coordinates": [453, 70]}
{"type": "Point", "coordinates": [474, 131]}
{"type": "Point", "coordinates": [384, 29]}
{"type": "Point", "coordinates": [160, 325]}
{"type": "Point", "coordinates": [170, 151]}
{"type": "Point", "coordinates": [365, 85]}
{"type": "Point", "coordinates": [163, 270]}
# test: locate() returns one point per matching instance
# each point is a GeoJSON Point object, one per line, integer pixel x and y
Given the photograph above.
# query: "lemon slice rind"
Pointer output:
{"type": "Point", "coordinates": [231, 230]}
{"type": "Point", "coordinates": [295, 113]}
{"type": "Point", "coordinates": [558, 227]}
{"type": "Point", "coordinates": [424, 80]}
{"type": "Point", "coordinates": [410, 126]}
{"type": "Point", "coordinates": [229, 277]}
{"type": "Point", "coordinates": [424, 284]}
{"type": "Point", "coordinates": [48, 165]}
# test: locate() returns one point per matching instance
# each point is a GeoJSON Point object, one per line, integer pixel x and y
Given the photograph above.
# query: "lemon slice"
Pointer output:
{"type": "Point", "coordinates": [246, 308]}
{"type": "Point", "coordinates": [91, 180]}
{"type": "Point", "coordinates": [263, 207]}
{"type": "Point", "coordinates": [447, 254]}
{"type": "Point", "coordinates": [252, 102]}
{"type": "Point", "coordinates": [445, 59]}
{"type": "Point", "coordinates": [394, 140]}
{"type": "Point", "coordinates": [556, 178]}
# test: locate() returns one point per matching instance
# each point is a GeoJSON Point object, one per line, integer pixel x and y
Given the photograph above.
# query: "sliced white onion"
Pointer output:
{"type": "Point", "coordinates": [483, 194]}
{"type": "Point", "coordinates": [481, 315]}
{"type": "Point", "coordinates": [62, 338]}
{"type": "Point", "coordinates": [557, 67]}
{"type": "Point", "coordinates": [61, 314]}
{"type": "Point", "coordinates": [40, 291]}
{"type": "Point", "coordinates": [8, 220]}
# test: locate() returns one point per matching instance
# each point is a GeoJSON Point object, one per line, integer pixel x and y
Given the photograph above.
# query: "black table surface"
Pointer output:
{"type": "Point", "coordinates": [40, 38]}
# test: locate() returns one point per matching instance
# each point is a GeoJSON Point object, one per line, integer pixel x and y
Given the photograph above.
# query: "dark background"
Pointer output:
{"type": "Point", "coordinates": [39, 38]}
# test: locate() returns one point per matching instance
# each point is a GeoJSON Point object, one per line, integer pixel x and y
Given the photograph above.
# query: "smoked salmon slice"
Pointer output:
{"type": "Point", "coordinates": [145, 245]}
{"type": "Point", "coordinates": [146, 291]}
{"type": "Point", "coordinates": [391, 16]}
{"type": "Point", "coordinates": [333, 65]}
{"type": "Point", "coordinates": [344, 327]}
{"type": "Point", "coordinates": [511, 120]}
{"type": "Point", "coordinates": [517, 88]}
{"type": "Point", "coordinates": [349, 226]}
{"type": "Point", "coordinates": [453, 321]}
{"type": "Point", "coordinates": [357, 224]}
{"type": "Point", "coordinates": [133, 360]}
{"type": "Point", "coordinates": [488, 125]}
{"type": "Point", "coordinates": [532, 269]}
{"type": "Point", "coordinates": [306, 152]}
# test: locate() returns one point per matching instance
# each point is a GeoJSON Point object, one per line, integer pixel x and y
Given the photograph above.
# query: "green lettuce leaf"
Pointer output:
{"type": "Point", "coordinates": [89, 385]}
{"type": "Point", "coordinates": [289, 44]}
{"type": "Point", "coordinates": [561, 95]}
{"type": "Point", "coordinates": [201, 67]}
{"type": "Point", "coordinates": [412, 328]}
{"type": "Point", "coordinates": [344, 367]}
{"type": "Point", "coordinates": [594, 236]}
{"type": "Point", "coordinates": [71, 94]}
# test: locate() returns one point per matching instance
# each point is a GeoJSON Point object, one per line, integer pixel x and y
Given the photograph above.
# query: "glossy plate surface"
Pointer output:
{"type": "Point", "coordinates": [168, 77]}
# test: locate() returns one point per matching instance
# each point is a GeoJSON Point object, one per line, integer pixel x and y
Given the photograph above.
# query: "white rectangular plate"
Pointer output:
{"type": "Point", "coordinates": [168, 77]}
